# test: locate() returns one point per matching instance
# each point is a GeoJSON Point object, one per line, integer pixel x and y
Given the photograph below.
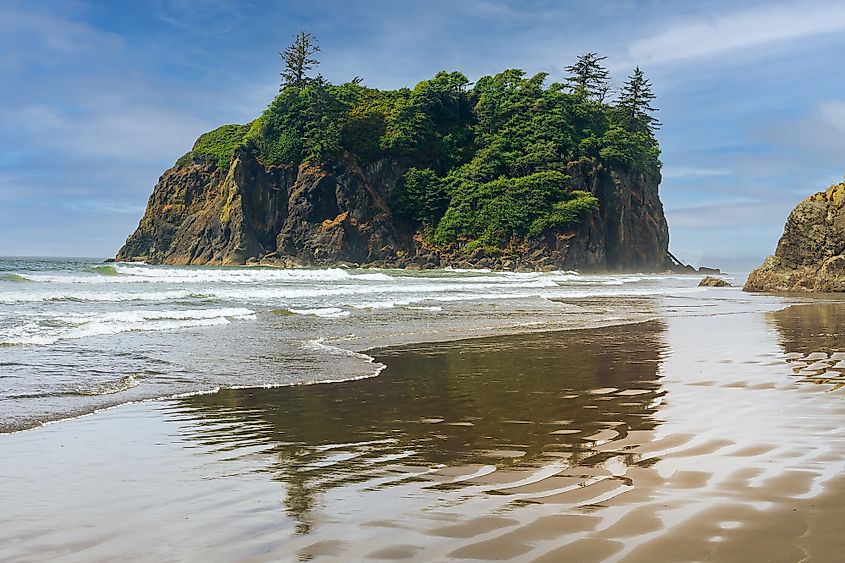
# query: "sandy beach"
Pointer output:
{"type": "Point", "coordinates": [691, 437]}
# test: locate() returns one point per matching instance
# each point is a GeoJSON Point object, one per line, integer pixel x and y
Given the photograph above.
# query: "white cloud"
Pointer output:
{"type": "Point", "coordinates": [109, 127]}
{"type": "Point", "coordinates": [832, 114]}
{"type": "Point", "coordinates": [103, 207]}
{"type": "Point", "coordinates": [206, 17]}
{"type": "Point", "coordinates": [815, 137]}
{"type": "Point", "coordinates": [31, 37]}
{"type": "Point", "coordinates": [739, 30]}
{"type": "Point", "coordinates": [729, 214]}
{"type": "Point", "coordinates": [673, 172]}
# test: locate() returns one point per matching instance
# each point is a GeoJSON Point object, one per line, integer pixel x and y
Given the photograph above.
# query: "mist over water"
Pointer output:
{"type": "Point", "coordinates": [78, 335]}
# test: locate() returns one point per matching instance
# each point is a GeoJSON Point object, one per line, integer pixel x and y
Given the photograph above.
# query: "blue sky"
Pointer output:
{"type": "Point", "coordinates": [97, 99]}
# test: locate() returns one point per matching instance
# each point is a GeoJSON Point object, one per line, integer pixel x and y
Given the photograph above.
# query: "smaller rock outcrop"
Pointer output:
{"type": "Point", "coordinates": [811, 253]}
{"type": "Point", "coordinates": [710, 281]}
{"type": "Point", "coordinates": [706, 270]}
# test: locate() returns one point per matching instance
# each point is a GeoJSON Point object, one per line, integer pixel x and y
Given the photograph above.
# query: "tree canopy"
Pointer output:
{"type": "Point", "coordinates": [486, 164]}
{"type": "Point", "coordinates": [299, 59]}
{"type": "Point", "coordinates": [589, 77]}
{"type": "Point", "coordinates": [635, 101]}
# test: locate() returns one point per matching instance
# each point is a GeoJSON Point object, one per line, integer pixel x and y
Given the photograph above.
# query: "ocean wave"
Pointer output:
{"type": "Point", "coordinates": [134, 274]}
{"type": "Point", "coordinates": [370, 305]}
{"type": "Point", "coordinates": [15, 278]}
{"type": "Point", "coordinates": [416, 286]}
{"type": "Point", "coordinates": [368, 296]}
{"type": "Point", "coordinates": [89, 389]}
{"type": "Point", "coordinates": [319, 345]}
{"type": "Point", "coordinates": [324, 312]}
{"type": "Point", "coordinates": [467, 270]}
{"type": "Point", "coordinates": [95, 295]}
{"type": "Point", "coordinates": [45, 330]}
{"type": "Point", "coordinates": [104, 270]}
{"type": "Point", "coordinates": [108, 387]}
{"type": "Point", "coordinates": [244, 275]}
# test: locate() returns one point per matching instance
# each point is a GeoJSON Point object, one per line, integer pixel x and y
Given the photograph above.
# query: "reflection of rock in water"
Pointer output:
{"type": "Point", "coordinates": [524, 400]}
{"type": "Point", "coordinates": [813, 338]}
{"type": "Point", "coordinates": [819, 327]}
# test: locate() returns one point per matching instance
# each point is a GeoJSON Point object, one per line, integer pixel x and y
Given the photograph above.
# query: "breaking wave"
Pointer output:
{"type": "Point", "coordinates": [49, 329]}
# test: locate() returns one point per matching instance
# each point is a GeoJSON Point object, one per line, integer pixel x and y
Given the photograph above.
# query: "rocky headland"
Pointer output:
{"type": "Point", "coordinates": [509, 174]}
{"type": "Point", "coordinates": [810, 255]}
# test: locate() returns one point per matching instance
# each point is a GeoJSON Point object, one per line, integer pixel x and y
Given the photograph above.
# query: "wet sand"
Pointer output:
{"type": "Point", "coordinates": [689, 438]}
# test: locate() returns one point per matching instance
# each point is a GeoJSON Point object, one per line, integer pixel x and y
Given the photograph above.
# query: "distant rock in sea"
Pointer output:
{"type": "Point", "coordinates": [811, 253]}
{"type": "Point", "coordinates": [710, 281]}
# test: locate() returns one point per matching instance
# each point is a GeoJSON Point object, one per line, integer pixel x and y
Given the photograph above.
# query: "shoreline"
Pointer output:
{"type": "Point", "coordinates": [503, 262]}
{"type": "Point", "coordinates": [367, 351]}
{"type": "Point", "coordinates": [364, 353]}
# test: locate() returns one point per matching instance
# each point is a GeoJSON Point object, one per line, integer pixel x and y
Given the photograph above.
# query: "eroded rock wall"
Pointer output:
{"type": "Point", "coordinates": [328, 214]}
{"type": "Point", "coordinates": [810, 255]}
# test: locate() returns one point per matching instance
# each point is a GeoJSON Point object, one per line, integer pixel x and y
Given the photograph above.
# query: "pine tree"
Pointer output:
{"type": "Point", "coordinates": [589, 78]}
{"type": "Point", "coordinates": [299, 59]}
{"type": "Point", "coordinates": [635, 100]}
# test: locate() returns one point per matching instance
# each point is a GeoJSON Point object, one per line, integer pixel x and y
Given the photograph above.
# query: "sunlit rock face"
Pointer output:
{"type": "Point", "coordinates": [339, 212]}
{"type": "Point", "coordinates": [811, 253]}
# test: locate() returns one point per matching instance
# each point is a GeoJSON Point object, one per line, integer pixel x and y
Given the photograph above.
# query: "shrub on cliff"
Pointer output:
{"type": "Point", "coordinates": [216, 146]}
{"type": "Point", "coordinates": [421, 197]}
{"type": "Point", "coordinates": [498, 212]}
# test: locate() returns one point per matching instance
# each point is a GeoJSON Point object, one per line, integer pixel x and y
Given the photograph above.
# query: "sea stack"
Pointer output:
{"type": "Point", "coordinates": [507, 174]}
{"type": "Point", "coordinates": [811, 253]}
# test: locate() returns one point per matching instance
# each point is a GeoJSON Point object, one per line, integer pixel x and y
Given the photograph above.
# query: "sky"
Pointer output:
{"type": "Point", "coordinates": [98, 99]}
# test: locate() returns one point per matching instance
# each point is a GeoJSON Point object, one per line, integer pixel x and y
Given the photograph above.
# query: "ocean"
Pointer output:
{"type": "Point", "coordinates": [353, 414]}
{"type": "Point", "coordinates": [80, 335]}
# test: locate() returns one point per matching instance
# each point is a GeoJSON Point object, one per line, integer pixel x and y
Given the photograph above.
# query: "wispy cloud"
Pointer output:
{"type": "Point", "coordinates": [815, 137]}
{"type": "Point", "coordinates": [98, 206]}
{"type": "Point", "coordinates": [204, 17]}
{"type": "Point", "coordinates": [833, 114]}
{"type": "Point", "coordinates": [30, 37]}
{"type": "Point", "coordinates": [673, 172]}
{"type": "Point", "coordinates": [109, 127]}
{"type": "Point", "coordinates": [726, 214]}
{"type": "Point", "coordinates": [709, 35]}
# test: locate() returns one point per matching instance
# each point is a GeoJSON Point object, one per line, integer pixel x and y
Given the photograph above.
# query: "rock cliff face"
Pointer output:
{"type": "Point", "coordinates": [811, 253]}
{"type": "Point", "coordinates": [329, 214]}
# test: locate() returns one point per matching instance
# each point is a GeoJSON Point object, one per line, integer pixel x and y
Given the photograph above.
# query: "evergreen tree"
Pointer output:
{"type": "Point", "coordinates": [299, 59]}
{"type": "Point", "coordinates": [589, 77]}
{"type": "Point", "coordinates": [635, 101]}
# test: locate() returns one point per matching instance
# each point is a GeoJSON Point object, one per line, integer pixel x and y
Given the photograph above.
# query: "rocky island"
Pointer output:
{"type": "Point", "coordinates": [810, 255]}
{"type": "Point", "coordinates": [507, 173]}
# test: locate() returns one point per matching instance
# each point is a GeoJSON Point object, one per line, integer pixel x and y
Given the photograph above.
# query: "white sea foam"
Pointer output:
{"type": "Point", "coordinates": [433, 308]}
{"type": "Point", "coordinates": [378, 304]}
{"type": "Point", "coordinates": [324, 312]}
{"type": "Point", "coordinates": [151, 274]}
{"type": "Point", "coordinates": [319, 344]}
{"type": "Point", "coordinates": [109, 387]}
{"type": "Point", "coordinates": [97, 295]}
{"type": "Point", "coordinates": [46, 328]}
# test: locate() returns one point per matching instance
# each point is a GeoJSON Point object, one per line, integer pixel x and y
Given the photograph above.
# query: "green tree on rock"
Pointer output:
{"type": "Point", "coordinates": [635, 102]}
{"type": "Point", "coordinates": [299, 59]}
{"type": "Point", "coordinates": [589, 78]}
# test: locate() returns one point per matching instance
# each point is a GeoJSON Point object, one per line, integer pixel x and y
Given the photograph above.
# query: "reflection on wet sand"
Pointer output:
{"type": "Point", "coordinates": [458, 416]}
{"type": "Point", "coordinates": [650, 442]}
{"type": "Point", "coordinates": [695, 438]}
{"type": "Point", "coordinates": [812, 337]}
